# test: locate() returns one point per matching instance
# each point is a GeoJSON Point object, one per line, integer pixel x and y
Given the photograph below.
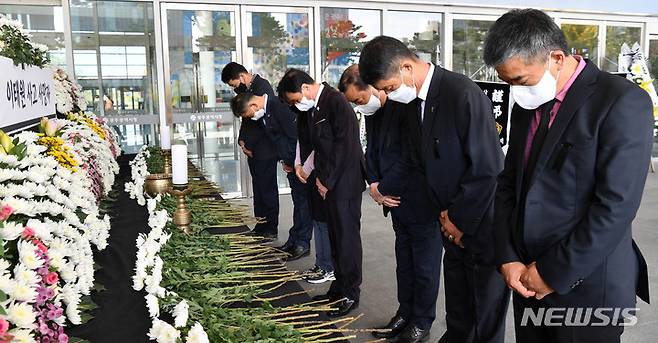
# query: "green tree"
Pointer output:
{"type": "Point", "coordinates": [468, 38]}
{"type": "Point", "coordinates": [339, 37]}
{"type": "Point", "coordinates": [432, 46]}
{"type": "Point", "coordinates": [582, 39]}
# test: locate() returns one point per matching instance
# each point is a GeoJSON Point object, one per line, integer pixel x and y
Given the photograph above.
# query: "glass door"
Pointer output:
{"type": "Point", "coordinates": [273, 40]}
{"type": "Point", "coordinates": [198, 41]}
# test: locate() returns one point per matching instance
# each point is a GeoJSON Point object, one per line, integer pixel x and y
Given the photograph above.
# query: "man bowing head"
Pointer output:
{"type": "Point", "coordinates": [574, 174]}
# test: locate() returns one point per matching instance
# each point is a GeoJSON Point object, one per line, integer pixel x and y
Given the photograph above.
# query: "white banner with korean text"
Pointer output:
{"type": "Point", "coordinates": [25, 94]}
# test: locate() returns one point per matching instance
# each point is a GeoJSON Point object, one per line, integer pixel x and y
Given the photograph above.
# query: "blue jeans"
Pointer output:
{"type": "Point", "coordinates": [302, 228]}
{"type": "Point", "coordinates": [322, 246]}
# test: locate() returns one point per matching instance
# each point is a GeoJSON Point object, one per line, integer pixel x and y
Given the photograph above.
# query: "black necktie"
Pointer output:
{"type": "Point", "coordinates": [535, 149]}
{"type": "Point", "coordinates": [537, 143]}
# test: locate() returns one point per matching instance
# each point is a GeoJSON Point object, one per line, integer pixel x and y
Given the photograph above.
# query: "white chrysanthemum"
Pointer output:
{"type": "Point", "coordinates": [24, 275]}
{"type": "Point", "coordinates": [181, 314]}
{"type": "Point", "coordinates": [162, 332]}
{"type": "Point", "coordinates": [28, 255]}
{"type": "Point", "coordinates": [22, 336]}
{"type": "Point", "coordinates": [152, 305]}
{"type": "Point", "coordinates": [25, 293]}
{"type": "Point", "coordinates": [4, 265]}
{"type": "Point", "coordinates": [7, 285]}
{"type": "Point", "coordinates": [11, 231]}
{"type": "Point", "coordinates": [22, 315]}
{"type": "Point", "coordinates": [197, 335]}
{"type": "Point", "coordinates": [40, 229]}
{"type": "Point", "coordinates": [73, 314]}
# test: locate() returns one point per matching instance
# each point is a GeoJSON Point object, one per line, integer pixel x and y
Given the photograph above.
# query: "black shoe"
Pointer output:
{"type": "Point", "coordinates": [392, 329]}
{"type": "Point", "coordinates": [327, 296]}
{"type": "Point", "coordinates": [344, 307]}
{"type": "Point", "coordinates": [286, 247]}
{"type": "Point", "coordinates": [444, 338]}
{"type": "Point", "coordinates": [413, 334]}
{"type": "Point", "coordinates": [311, 272]}
{"type": "Point", "coordinates": [297, 252]}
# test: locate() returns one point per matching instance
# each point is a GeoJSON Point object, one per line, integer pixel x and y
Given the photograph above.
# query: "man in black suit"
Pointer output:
{"type": "Point", "coordinates": [455, 139]}
{"type": "Point", "coordinates": [401, 188]}
{"type": "Point", "coordinates": [340, 169]}
{"type": "Point", "coordinates": [260, 150]}
{"type": "Point", "coordinates": [574, 175]}
{"type": "Point", "coordinates": [281, 126]}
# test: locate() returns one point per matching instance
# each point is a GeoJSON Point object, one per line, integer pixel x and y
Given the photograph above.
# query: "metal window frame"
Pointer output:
{"type": "Point", "coordinates": [450, 11]}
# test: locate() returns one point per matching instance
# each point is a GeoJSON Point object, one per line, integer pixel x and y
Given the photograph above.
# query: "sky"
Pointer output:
{"type": "Point", "coordinates": [616, 6]}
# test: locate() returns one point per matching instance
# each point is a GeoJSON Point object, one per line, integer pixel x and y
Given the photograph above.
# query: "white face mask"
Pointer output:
{"type": "Point", "coordinates": [305, 104]}
{"type": "Point", "coordinates": [404, 94]}
{"type": "Point", "coordinates": [531, 97]}
{"type": "Point", "coordinates": [371, 107]}
{"type": "Point", "coordinates": [259, 114]}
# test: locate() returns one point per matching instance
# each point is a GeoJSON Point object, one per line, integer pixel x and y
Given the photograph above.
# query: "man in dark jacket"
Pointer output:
{"type": "Point", "coordinates": [406, 196]}
{"type": "Point", "coordinates": [455, 139]}
{"type": "Point", "coordinates": [281, 126]}
{"type": "Point", "coordinates": [260, 151]}
{"type": "Point", "coordinates": [580, 144]}
{"type": "Point", "coordinates": [340, 168]}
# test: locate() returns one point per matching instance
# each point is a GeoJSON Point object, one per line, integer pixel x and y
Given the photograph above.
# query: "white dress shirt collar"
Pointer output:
{"type": "Point", "coordinates": [424, 89]}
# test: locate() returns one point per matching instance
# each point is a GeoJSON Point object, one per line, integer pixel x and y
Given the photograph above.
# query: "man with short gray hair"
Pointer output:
{"type": "Point", "coordinates": [574, 175]}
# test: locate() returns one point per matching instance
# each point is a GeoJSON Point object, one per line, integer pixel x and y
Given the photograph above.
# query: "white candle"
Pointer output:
{"type": "Point", "coordinates": [179, 164]}
{"type": "Point", "coordinates": [165, 137]}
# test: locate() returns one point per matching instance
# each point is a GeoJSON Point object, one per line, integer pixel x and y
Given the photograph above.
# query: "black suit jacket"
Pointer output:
{"type": "Point", "coordinates": [317, 204]}
{"type": "Point", "coordinates": [281, 126]}
{"type": "Point", "coordinates": [339, 161]}
{"type": "Point", "coordinates": [388, 139]}
{"type": "Point", "coordinates": [253, 132]}
{"type": "Point", "coordinates": [460, 153]}
{"type": "Point", "coordinates": [584, 193]}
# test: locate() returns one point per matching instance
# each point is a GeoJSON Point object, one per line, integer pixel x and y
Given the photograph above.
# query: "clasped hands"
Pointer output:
{"type": "Point", "coordinates": [303, 178]}
{"type": "Point", "coordinates": [385, 200]}
{"type": "Point", "coordinates": [450, 230]}
{"type": "Point", "coordinates": [246, 151]}
{"type": "Point", "coordinates": [525, 280]}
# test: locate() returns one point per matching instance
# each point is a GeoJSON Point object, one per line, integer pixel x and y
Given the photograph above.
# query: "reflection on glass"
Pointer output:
{"type": "Point", "coordinates": [421, 33]}
{"type": "Point", "coordinates": [468, 44]}
{"type": "Point", "coordinates": [277, 41]}
{"type": "Point", "coordinates": [200, 44]}
{"type": "Point", "coordinates": [343, 33]}
{"type": "Point", "coordinates": [45, 23]}
{"type": "Point", "coordinates": [133, 137]}
{"type": "Point", "coordinates": [583, 40]}
{"type": "Point", "coordinates": [615, 37]}
{"type": "Point", "coordinates": [653, 69]}
{"type": "Point", "coordinates": [114, 55]}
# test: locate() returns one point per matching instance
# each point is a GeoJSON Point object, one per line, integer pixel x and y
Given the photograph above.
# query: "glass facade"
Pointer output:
{"type": "Point", "coordinates": [343, 32]}
{"type": "Point", "coordinates": [142, 61]}
{"type": "Point", "coordinates": [114, 55]}
{"type": "Point", "coordinates": [468, 40]}
{"type": "Point", "coordinates": [582, 40]}
{"type": "Point", "coordinates": [615, 37]}
{"type": "Point", "coordinates": [421, 32]}
{"type": "Point", "coordinates": [45, 23]}
{"type": "Point", "coordinates": [277, 41]}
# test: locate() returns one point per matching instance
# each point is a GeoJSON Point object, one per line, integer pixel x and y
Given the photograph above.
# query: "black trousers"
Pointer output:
{"type": "Point", "coordinates": [418, 255]}
{"type": "Point", "coordinates": [476, 298]}
{"type": "Point", "coordinates": [529, 332]}
{"type": "Point", "coordinates": [302, 223]}
{"type": "Point", "coordinates": [344, 221]}
{"type": "Point", "coordinates": [266, 194]}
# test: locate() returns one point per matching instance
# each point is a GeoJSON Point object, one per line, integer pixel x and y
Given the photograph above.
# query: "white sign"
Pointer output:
{"type": "Point", "coordinates": [24, 93]}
